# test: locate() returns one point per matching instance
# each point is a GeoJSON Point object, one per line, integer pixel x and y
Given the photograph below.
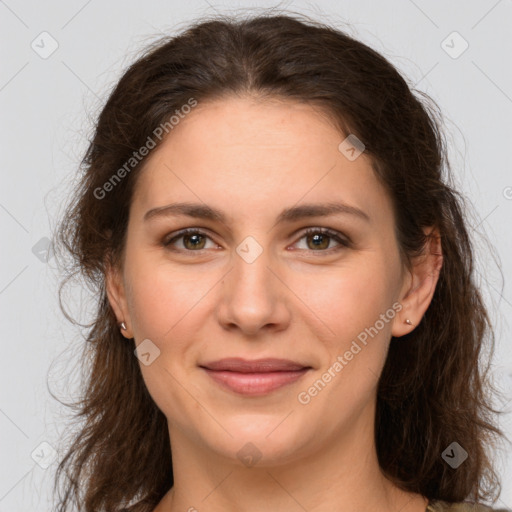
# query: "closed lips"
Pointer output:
{"type": "Point", "coordinates": [241, 365]}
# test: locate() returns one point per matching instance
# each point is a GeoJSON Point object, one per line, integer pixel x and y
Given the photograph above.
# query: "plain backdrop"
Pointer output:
{"type": "Point", "coordinates": [60, 59]}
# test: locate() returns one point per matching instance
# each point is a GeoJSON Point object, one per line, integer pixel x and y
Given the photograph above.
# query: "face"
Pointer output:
{"type": "Point", "coordinates": [256, 284]}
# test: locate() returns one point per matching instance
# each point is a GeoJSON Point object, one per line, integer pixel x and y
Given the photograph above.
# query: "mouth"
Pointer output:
{"type": "Point", "coordinates": [256, 377]}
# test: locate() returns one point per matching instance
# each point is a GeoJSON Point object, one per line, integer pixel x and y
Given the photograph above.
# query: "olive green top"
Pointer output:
{"type": "Point", "coordinates": [443, 506]}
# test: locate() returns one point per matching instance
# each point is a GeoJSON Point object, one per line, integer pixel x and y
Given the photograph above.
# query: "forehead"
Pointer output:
{"type": "Point", "coordinates": [251, 154]}
{"type": "Point", "coordinates": [255, 123]}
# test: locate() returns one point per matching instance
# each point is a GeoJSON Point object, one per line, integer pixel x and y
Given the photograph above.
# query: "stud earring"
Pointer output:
{"type": "Point", "coordinates": [408, 322]}
{"type": "Point", "coordinates": [123, 326]}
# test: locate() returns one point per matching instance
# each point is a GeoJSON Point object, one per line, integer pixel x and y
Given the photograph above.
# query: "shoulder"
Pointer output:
{"type": "Point", "coordinates": [443, 506]}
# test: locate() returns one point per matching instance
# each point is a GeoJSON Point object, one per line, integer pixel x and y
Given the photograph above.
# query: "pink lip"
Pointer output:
{"type": "Point", "coordinates": [256, 377]}
{"type": "Point", "coordinates": [255, 383]}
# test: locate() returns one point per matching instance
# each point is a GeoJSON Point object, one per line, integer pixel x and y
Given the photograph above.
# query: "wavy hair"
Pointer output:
{"type": "Point", "coordinates": [434, 388]}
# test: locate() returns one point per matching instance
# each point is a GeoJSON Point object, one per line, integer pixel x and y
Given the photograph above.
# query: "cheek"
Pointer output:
{"type": "Point", "coordinates": [161, 294]}
{"type": "Point", "coordinates": [350, 304]}
{"type": "Point", "coordinates": [162, 304]}
{"type": "Point", "coordinates": [344, 301]}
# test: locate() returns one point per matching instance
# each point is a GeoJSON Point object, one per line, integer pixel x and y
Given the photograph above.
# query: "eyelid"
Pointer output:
{"type": "Point", "coordinates": [172, 237]}
{"type": "Point", "coordinates": [342, 239]}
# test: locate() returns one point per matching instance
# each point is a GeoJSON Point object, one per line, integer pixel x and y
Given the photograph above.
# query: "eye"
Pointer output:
{"type": "Point", "coordinates": [194, 240]}
{"type": "Point", "coordinates": [320, 238]}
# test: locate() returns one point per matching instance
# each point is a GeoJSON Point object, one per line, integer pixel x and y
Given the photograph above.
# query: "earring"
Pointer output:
{"type": "Point", "coordinates": [123, 326]}
{"type": "Point", "coordinates": [408, 322]}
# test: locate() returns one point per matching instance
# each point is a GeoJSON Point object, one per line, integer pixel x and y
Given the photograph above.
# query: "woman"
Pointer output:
{"type": "Point", "coordinates": [284, 276]}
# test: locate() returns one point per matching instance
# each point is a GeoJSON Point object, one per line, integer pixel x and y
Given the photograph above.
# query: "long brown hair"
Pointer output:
{"type": "Point", "coordinates": [434, 388]}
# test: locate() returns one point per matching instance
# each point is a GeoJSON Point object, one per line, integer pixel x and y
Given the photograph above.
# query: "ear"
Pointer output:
{"type": "Point", "coordinates": [116, 294]}
{"type": "Point", "coordinates": [419, 285]}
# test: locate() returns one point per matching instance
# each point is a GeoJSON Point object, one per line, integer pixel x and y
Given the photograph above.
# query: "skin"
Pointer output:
{"type": "Point", "coordinates": [251, 159]}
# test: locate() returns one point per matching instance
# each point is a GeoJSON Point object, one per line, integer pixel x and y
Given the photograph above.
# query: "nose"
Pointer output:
{"type": "Point", "coordinates": [254, 298]}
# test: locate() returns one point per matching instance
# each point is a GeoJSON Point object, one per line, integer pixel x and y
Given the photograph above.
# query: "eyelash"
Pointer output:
{"type": "Point", "coordinates": [344, 243]}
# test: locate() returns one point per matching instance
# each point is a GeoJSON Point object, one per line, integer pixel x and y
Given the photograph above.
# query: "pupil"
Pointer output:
{"type": "Point", "coordinates": [319, 238]}
{"type": "Point", "coordinates": [195, 239]}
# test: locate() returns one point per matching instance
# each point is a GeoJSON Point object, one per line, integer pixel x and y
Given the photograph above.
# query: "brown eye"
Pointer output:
{"type": "Point", "coordinates": [319, 239]}
{"type": "Point", "coordinates": [193, 240]}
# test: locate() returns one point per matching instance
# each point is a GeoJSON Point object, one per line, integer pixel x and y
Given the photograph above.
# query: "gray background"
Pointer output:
{"type": "Point", "coordinates": [48, 102]}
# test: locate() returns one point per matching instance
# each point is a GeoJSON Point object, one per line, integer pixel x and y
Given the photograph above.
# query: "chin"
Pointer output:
{"type": "Point", "coordinates": [264, 442]}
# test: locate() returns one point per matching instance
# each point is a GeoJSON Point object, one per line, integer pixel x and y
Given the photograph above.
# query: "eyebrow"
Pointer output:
{"type": "Point", "coordinates": [203, 211]}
